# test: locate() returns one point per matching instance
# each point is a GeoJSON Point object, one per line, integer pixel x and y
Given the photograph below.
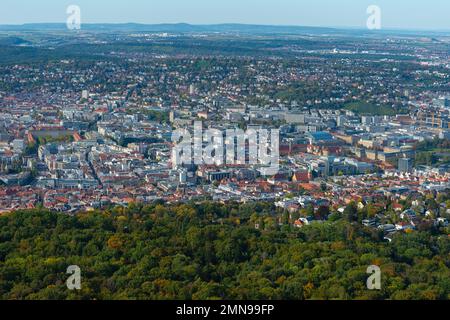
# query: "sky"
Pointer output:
{"type": "Point", "coordinates": [403, 14]}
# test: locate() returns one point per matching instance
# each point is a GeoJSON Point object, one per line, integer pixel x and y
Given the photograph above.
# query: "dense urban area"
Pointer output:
{"type": "Point", "coordinates": [88, 172]}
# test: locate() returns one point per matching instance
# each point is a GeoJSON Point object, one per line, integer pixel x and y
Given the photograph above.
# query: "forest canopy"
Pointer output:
{"type": "Point", "coordinates": [212, 251]}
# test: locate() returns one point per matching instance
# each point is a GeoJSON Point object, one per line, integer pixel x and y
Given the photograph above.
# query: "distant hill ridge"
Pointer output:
{"type": "Point", "coordinates": [176, 27]}
{"type": "Point", "coordinates": [219, 28]}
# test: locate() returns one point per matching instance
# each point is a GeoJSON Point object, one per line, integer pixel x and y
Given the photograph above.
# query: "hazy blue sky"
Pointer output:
{"type": "Point", "coordinates": [407, 14]}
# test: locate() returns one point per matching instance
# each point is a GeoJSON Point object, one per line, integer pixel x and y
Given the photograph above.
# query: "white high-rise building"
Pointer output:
{"type": "Point", "coordinates": [192, 89]}
{"type": "Point", "coordinates": [85, 94]}
{"type": "Point", "coordinates": [18, 145]}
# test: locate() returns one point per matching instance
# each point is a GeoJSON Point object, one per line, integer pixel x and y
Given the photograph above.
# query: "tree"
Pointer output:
{"type": "Point", "coordinates": [322, 213]}
{"type": "Point", "coordinates": [351, 212]}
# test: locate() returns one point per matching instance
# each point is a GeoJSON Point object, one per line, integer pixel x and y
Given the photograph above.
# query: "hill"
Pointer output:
{"type": "Point", "coordinates": [211, 251]}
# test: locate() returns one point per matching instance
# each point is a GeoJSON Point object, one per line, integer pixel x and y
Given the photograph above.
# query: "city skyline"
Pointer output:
{"type": "Point", "coordinates": [197, 151]}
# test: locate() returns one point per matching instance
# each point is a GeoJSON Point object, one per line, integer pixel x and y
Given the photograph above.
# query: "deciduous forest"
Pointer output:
{"type": "Point", "coordinates": [212, 251]}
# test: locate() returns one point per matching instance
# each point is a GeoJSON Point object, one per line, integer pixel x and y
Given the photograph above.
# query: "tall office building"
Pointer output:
{"type": "Point", "coordinates": [405, 165]}
{"type": "Point", "coordinates": [192, 90]}
{"type": "Point", "coordinates": [85, 94]}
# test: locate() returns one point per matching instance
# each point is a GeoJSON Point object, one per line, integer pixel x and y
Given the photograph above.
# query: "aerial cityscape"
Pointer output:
{"type": "Point", "coordinates": [224, 161]}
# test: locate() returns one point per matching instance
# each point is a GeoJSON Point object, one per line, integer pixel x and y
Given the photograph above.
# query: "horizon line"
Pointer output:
{"type": "Point", "coordinates": [361, 28]}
